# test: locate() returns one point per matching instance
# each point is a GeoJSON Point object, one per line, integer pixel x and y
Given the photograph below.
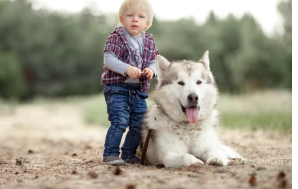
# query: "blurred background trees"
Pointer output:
{"type": "Point", "coordinates": [53, 54]}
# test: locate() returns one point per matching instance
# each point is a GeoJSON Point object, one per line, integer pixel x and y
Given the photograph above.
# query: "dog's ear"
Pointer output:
{"type": "Point", "coordinates": [162, 65]}
{"type": "Point", "coordinates": [205, 60]}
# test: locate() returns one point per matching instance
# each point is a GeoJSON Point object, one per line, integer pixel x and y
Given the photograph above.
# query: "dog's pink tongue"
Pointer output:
{"type": "Point", "coordinates": [192, 114]}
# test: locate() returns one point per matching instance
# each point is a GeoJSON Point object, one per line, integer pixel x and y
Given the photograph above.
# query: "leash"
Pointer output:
{"type": "Point", "coordinates": [143, 157]}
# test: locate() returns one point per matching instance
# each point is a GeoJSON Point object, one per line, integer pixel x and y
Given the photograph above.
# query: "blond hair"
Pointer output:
{"type": "Point", "coordinates": [128, 5]}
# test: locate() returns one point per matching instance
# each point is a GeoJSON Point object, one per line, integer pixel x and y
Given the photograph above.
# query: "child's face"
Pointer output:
{"type": "Point", "coordinates": [134, 22]}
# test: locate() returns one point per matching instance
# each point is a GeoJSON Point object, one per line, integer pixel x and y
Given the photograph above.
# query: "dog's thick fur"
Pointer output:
{"type": "Point", "coordinates": [184, 119]}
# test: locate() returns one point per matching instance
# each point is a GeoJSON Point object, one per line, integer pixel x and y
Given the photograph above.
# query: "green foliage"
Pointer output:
{"type": "Point", "coordinates": [62, 54]}
{"type": "Point", "coordinates": [11, 83]}
{"type": "Point", "coordinates": [285, 9]}
{"type": "Point", "coordinates": [242, 57]}
{"type": "Point", "coordinates": [59, 54]}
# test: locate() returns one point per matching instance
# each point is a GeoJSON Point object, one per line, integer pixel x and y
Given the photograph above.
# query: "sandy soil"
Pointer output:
{"type": "Point", "coordinates": [51, 147]}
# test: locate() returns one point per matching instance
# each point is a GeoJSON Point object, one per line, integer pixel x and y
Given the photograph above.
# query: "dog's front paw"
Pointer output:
{"type": "Point", "coordinates": [218, 161]}
{"type": "Point", "coordinates": [188, 160]}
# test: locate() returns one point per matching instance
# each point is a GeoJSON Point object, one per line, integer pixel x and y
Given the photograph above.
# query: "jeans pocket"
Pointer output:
{"type": "Point", "coordinates": [107, 88]}
{"type": "Point", "coordinates": [109, 93]}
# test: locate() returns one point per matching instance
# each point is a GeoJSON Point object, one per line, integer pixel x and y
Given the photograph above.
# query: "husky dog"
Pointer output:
{"type": "Point", "coordinates": [184, 118]}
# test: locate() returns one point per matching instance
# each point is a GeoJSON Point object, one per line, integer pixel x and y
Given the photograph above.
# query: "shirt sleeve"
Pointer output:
{"type": "Point", "coordinates": [152, 61]}
{"type": "Point", "coordinates": [153, 67]}
{"type": "Point", "coordinates": [112, 62]}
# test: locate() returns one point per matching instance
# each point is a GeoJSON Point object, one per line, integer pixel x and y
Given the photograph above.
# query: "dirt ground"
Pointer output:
{"type": "Point", "coordinates": [51, 147]}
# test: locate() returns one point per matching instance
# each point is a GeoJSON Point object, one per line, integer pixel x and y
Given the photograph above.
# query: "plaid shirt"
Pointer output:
{"type": "Point", "coordinates": [118, 44]}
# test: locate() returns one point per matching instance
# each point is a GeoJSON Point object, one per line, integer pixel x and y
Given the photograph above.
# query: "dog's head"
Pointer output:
{"type": "Point", "coordinates": [186, 90]}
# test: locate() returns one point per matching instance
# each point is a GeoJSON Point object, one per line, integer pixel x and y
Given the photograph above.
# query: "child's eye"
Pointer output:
{"type": "Point", "coordinates": [141, 16]}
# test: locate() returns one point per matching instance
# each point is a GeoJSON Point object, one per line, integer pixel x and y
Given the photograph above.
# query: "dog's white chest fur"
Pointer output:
{"type": "Point", "coordinates": [184, 131]}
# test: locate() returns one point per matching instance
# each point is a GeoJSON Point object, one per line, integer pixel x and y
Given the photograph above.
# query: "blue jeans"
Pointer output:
{"type": "Point", "coordinates": [126, 107]}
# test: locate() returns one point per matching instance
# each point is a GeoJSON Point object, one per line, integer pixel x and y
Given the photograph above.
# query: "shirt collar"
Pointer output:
{"type": "Point", "coordinates": [119, 28]}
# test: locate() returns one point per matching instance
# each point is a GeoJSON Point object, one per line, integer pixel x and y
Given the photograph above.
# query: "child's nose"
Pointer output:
{"type": "Point", "coordinates": [135, 18]}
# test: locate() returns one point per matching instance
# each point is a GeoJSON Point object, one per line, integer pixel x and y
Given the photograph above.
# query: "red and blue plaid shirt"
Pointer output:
{"type": "Point", "coordinates": [118, 44]}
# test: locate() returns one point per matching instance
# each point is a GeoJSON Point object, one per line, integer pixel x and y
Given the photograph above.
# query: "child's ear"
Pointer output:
{"type": "Point", "coordinates": [121, 19]}
{"type": "Point", "coordinates": [147, 25]}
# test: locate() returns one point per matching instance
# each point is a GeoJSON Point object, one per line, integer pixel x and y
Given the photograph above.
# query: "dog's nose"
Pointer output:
{"type": "Point", "coordinates": [193, 99]}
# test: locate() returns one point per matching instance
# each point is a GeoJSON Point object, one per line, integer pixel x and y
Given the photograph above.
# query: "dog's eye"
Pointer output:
{"type": "Point", "coordinates": [199, 82]}
{"type": "Point", "coordinates": [181, 83]}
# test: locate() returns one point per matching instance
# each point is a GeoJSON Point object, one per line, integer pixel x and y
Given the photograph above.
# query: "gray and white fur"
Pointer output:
{"type": "Point", "coordinates": [184, 117]}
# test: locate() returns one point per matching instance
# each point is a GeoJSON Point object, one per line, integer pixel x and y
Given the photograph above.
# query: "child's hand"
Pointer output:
{"type": "Point", "coordinates": [148, 72]}
{"type": "Point", "coordinates": [133, 72]}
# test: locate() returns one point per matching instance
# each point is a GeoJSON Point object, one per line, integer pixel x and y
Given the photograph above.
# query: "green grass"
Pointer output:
{"type": "Point", "coordinates": [96, 111]}
{"type": "Point", "coordinates": [259, 110]}
{"type": "Point", "coordinates": [264, 109]}
{"type": "Point", "coordinates": [265, 120]}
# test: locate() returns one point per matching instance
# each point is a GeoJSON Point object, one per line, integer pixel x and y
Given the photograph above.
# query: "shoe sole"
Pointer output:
{"type": "Point", "coordinates": [115, 162]}
{"type": "Point", "coordinates": [133, 162]}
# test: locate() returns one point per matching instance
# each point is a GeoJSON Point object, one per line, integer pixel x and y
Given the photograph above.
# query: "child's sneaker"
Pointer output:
{"type": "Point", "coordinates": [133, 160]}
{"type": "Point", "coordinates": [112, 160]}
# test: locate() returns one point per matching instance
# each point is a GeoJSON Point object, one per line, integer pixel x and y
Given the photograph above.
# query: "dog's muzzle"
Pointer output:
{"type": "Point", "coordinates": [192, 110]}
